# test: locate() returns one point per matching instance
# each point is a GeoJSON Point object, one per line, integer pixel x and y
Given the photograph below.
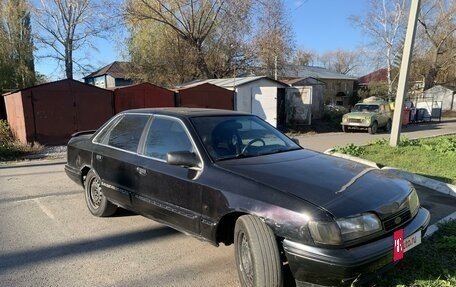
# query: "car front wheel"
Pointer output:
{"type": "Point", "coordinates": [373, 129]}
{"type": "Point", "coordinates": [96, 202]}
{"type": "Point", "coordinates": [256, 253]}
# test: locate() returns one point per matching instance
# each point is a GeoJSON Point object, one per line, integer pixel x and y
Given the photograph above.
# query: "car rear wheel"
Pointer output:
{"type": "Point", "coordinates": [257, 254]}
{"type": "Point", "coordinates": [373, 129]}
{"type": "Point", "coordinates": [388, 126]}
{"type": "Point", "coordinates": [96, 202]}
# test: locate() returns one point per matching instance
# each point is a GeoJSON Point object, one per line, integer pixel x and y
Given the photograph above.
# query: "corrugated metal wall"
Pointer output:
{"type": "Point", "coordinates": [50, 113]}
{"type": "Point", "coordinates": [15, 116]}
{"type": "Point", "coordinates": [143, 95]}
{"type": "Point", "coordinates": [206, 96]}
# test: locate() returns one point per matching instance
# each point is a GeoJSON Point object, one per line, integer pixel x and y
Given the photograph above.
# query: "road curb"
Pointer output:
{"type": "Point", "coordinates": [435, 227]}
{"type": "Point", "coordinates": [34, 162]}
{"type": "Point", "coordinates": [433, 184]}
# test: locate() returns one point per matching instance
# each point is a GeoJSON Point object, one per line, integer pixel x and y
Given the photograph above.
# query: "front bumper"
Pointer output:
{"type": "Point", "coordinates": [356, 125]}
{"type": "Point", "coordinates": [336, 267]}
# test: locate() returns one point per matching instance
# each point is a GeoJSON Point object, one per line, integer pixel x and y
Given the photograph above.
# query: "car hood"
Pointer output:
{"type": "Point", "coordinates": [340, 186]}
{"type": "Point", "coordinates": [359, 114]}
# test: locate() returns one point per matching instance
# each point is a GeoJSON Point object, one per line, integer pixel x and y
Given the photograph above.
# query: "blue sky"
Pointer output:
{"type": "Point", "coordinates": [323, 25]}
{"type": "Point", "coordinates": [318, 25]}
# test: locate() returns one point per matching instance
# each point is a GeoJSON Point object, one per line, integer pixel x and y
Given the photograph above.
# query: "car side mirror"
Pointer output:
{"type": "Point", "coordinates": [182, 158]}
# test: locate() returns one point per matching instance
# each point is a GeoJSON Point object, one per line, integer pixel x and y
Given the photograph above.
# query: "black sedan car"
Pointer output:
{"type": "Point", "coordinates": [229, 177]}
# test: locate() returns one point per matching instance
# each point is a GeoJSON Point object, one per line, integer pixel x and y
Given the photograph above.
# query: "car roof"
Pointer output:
{"type": "Point", "coordinates": [372, 103]}
{"type": "Point", "coordinates": [185, 112]}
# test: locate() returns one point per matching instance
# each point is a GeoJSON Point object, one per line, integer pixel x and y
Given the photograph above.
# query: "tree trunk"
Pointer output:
{"type": "Point", "coordinates": [201, 62]}
{"type": "Point", "coordinates": [431, 75]}
{"type": "Point", "coordinates": [69, 61]}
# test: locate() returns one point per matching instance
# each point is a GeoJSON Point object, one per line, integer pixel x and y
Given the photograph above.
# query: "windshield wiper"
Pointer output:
{"type": "Point", "coordinates": [280, 150]}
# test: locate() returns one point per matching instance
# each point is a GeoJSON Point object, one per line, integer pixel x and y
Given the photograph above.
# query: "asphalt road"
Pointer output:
{"type": "Point", "coordinates": [49, 238]}
{"type": "Point", "coordinates": [324, 141]}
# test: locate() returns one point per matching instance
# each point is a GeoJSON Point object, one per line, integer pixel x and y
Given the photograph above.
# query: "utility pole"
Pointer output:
{"type": "Point", "coordinates": [404, 72]}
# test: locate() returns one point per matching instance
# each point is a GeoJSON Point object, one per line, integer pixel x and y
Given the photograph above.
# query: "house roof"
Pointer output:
{"type": "Point", "coordinates": [376, 76]}
{"type": "Point", "coordinates": [202, 84]}
{"type": "Point", "coordinates": [118, 70]}
{"type": "Point", "coordinates": [317, 73]}
{"type": "Point", "coordinates": [293, 81]}
{"type": "Point", "coordinates": [228, 83]}
{"type": "Point", "coordinates": [143, 84]}
{"type": "Point", "coordinates": [438, 87]}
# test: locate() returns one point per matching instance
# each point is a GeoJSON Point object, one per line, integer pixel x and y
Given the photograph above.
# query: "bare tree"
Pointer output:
{"type": "Point", "coordinates": [384, 23]}
{"type": "Point", "coordinates": [438, 21]}
{"type": "Point", "coordinates": [341, 61]}
{"type": "Point", "coordinates": [66, 26]}
{"type": "Point", "coordinates": [201, 24]}
{"type": "Point", "coordinates": [274, 38]}
{"type": "Point", "coordinates": [304, 57]}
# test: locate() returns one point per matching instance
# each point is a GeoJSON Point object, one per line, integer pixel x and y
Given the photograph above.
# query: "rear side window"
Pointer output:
{"type": "Point", "coordinates": [125, 133]}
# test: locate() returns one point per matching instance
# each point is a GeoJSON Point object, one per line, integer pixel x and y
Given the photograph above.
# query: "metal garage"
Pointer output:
{"type": "Point", "coordinates": [205, 96]}
{"type": "Point", "coordinates": [50, 113]}
{"type": "Point", "coordinates": [144, 95]}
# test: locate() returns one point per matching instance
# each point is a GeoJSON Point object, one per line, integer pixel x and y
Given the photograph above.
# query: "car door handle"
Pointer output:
{"type": "Point", "coordinates": [99, 157]}
{"type": "Point", "coordinates": [141, 170]}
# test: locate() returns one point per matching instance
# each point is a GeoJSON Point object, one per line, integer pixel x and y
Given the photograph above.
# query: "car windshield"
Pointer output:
{"type": "Point", "coordinates": [365, 108]}
{"type": "Point", "coordinates": [228, 137]}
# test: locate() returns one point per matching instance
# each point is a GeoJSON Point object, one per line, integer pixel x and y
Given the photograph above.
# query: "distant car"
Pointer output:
{"type": "Point", "coordinates": [229, 177]}
{"type": "Point", "coordinates": [370, 116]}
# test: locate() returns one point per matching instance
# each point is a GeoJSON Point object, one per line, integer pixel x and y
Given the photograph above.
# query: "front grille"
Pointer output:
{"type": "Point", "coordinates": [397, 219]}
{"type": "Point", "coordinates": [358, 121]}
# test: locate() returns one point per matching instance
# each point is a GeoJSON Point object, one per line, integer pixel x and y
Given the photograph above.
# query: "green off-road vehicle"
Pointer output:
{"type": "Point", "coordinates": [368, 115]}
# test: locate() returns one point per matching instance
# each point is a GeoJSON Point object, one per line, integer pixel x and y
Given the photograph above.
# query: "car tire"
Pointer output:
{"type": "Point", "coordinates": [388, 126]}
{"type": "Point", "coordinates": [256, 253]}
{"type": "Point", "coordinates": [373, 129]}
{"type": "Point", "coordinates": [96, 202]}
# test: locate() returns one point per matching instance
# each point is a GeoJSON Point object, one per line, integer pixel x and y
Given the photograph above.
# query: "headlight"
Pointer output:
{"type": "Point", "coordinates": [413, 202]}
{"type": "Point", "coordinates": [344, 119]}
{"type": "Point", "coordinates": [325, 232]}
{"type": "Point", "coordinates": [359, 226]}
{"type": "Point", "coordinates": [367, 120]}
{"type": "Point", "coordinates": [343, 230]}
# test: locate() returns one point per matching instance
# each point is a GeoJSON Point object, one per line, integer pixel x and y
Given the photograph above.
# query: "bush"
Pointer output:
{"type": "Point", "coordinates": [333, 114]}
{"type": "Point", "coordinates": [350, 149]}
{"type": "Point", "coordinates": [6, 137]}
{"type": "Point", "coordinates": [11, 149]}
